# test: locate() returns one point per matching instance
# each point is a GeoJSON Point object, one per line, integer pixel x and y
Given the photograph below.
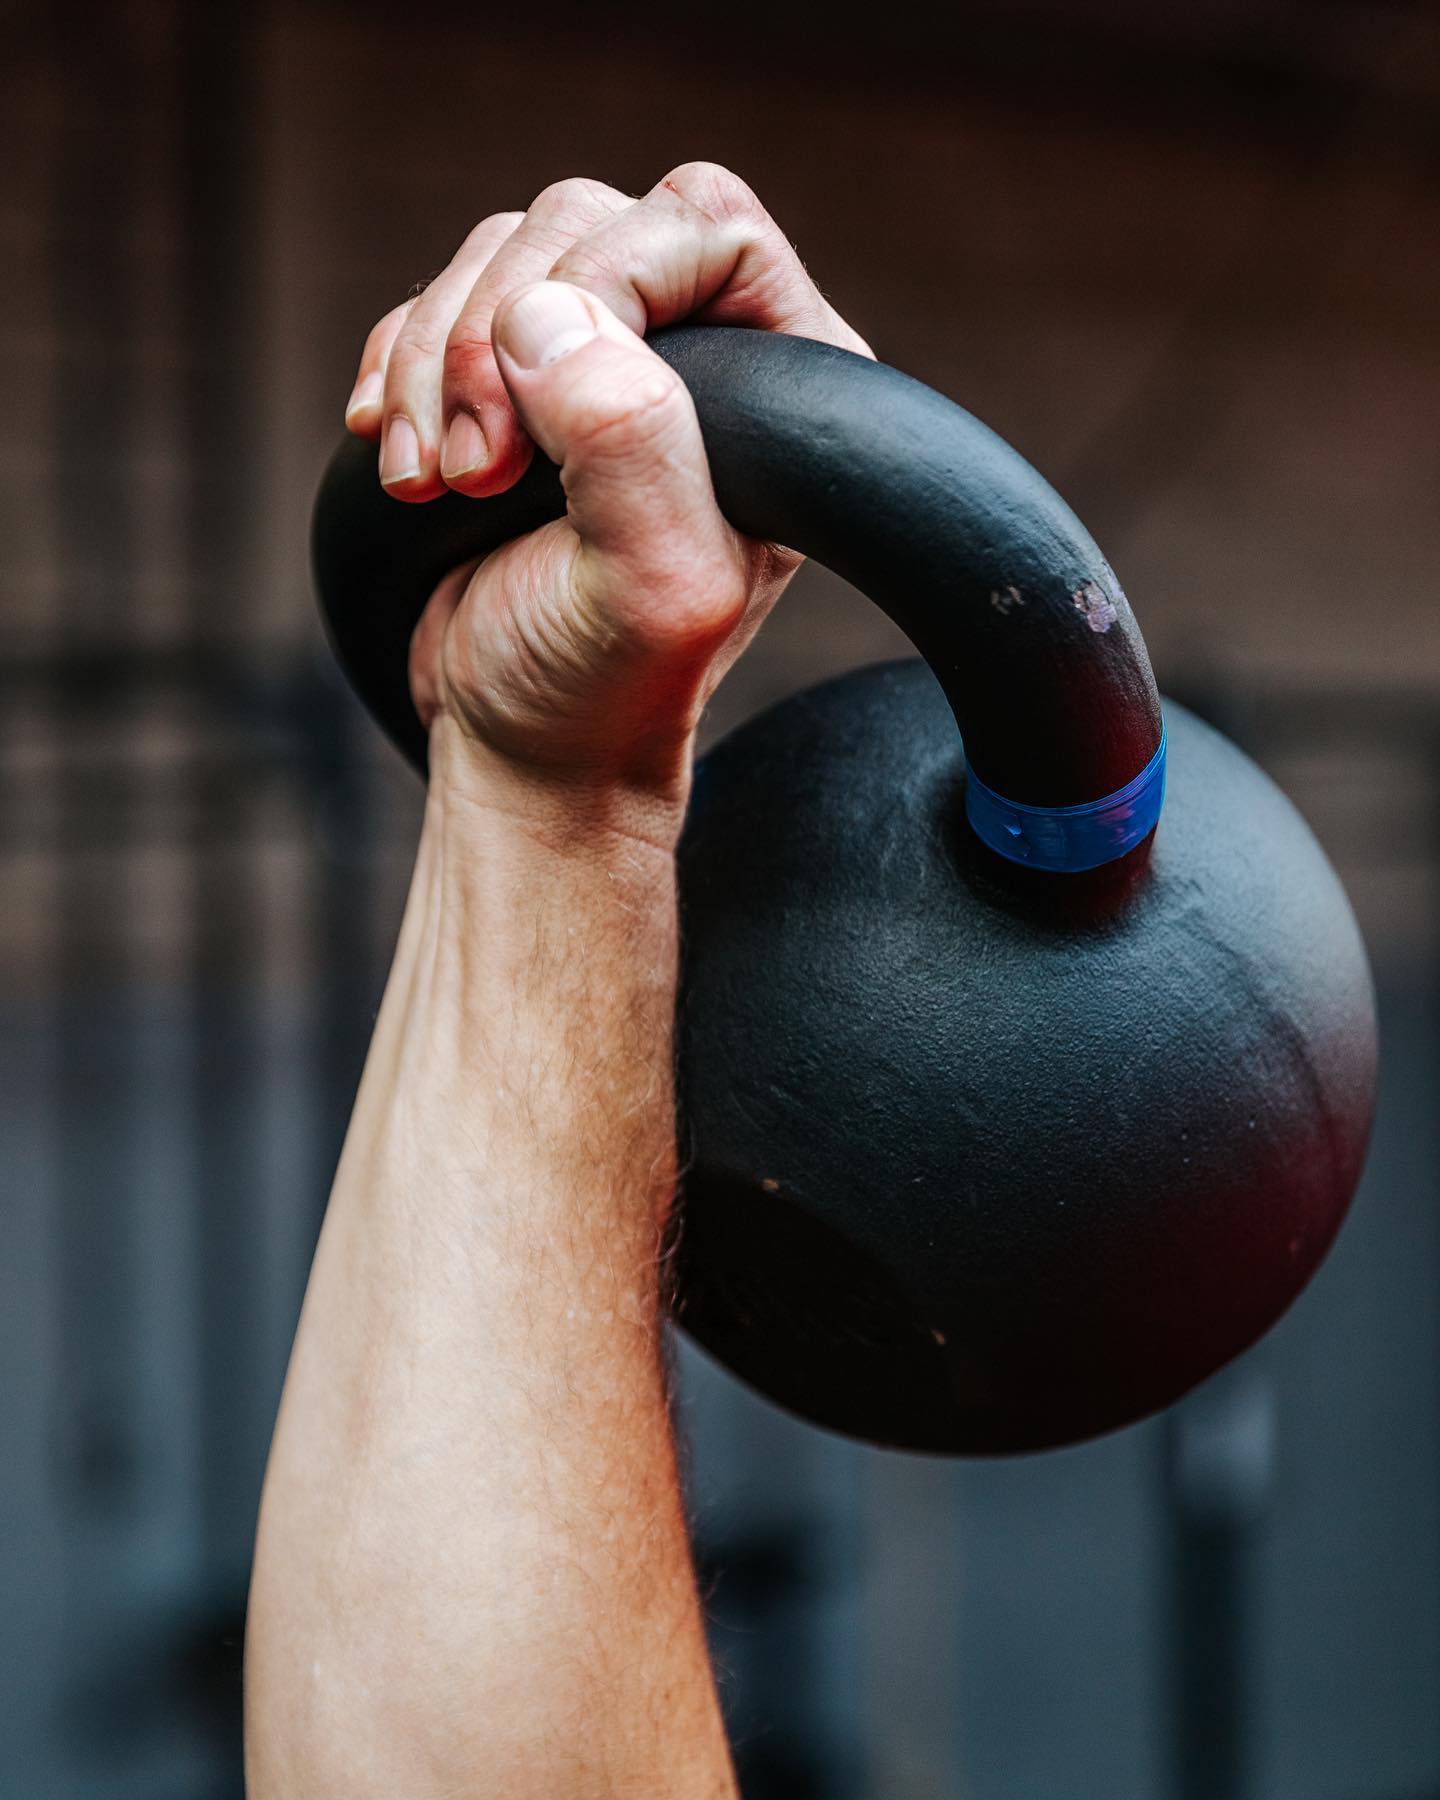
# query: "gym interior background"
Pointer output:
{"type": "Point", "coordinates": [1188, 260]}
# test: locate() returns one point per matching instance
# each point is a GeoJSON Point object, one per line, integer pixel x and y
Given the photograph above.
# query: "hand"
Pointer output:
{"type": "Point", "coordinates": [584, 653]}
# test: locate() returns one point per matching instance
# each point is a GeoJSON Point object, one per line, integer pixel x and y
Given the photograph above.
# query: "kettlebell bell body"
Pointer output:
{"type": "Point", "coordinates": [971, 1170]}
{"type": "Point", "coordinates": [1008, 1116]}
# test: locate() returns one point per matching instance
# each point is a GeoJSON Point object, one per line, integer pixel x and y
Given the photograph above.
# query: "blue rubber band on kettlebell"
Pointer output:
{"type": "Point", "coordinates": [1067, 839]}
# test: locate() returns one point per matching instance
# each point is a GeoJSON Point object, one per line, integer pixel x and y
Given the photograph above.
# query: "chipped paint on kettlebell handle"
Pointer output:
{"type": "Point", "coordinates": [1095, 607]}
{"type": "Point", "coordinates": [1005, 600]}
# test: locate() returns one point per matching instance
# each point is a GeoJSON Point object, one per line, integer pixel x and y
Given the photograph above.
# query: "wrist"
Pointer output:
{"type": "Point", "coordinates": [532, 994]}
{"type": "Point", "coordinates": [531, 908]}
{"type": "Point", "coordinates": [577, 814]}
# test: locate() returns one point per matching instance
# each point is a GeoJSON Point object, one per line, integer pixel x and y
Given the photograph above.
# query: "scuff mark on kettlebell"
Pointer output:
{"type": "Point", "coordinates": [1095, 607]}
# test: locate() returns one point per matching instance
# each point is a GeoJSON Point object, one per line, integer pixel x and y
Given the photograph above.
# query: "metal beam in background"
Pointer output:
{"type": "Point", "coordinates": [95, 1160]}
{"type": "Point", "coordinates": [219, 104]}
{"type": "Point", "coordinates": [1219, 1480]}
{"type": "Point", "coordinates": [99, 1442]}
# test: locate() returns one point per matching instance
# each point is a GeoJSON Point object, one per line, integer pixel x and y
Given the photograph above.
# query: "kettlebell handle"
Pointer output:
{"type": "Point", "coordinates": [889, 484]}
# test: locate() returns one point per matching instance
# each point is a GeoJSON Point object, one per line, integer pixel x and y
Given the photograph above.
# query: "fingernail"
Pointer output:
{"type": "Point", "coordinates": [465, 447]}
{"type": "Point", "coordinates": [545, 324]}
{"type": "Point", "coordinates": [366, 394]}
{"type": "Point", "coordinates": [400, 453]}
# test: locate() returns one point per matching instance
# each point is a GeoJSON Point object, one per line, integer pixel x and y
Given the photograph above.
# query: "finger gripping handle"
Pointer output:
{"type": "Point", "coordinates": [894, 487]}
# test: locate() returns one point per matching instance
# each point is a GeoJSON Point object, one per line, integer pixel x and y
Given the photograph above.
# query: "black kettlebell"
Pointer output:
{"type": "Point", "coordinates": [1008, 1116]}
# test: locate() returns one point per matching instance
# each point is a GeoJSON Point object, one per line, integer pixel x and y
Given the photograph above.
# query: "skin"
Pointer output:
{"type": "Point", "coordinates": [472, 1572]}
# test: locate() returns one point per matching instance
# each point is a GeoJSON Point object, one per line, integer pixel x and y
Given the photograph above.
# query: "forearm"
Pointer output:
{"type": "Point", "coordinates": [472, 1574]}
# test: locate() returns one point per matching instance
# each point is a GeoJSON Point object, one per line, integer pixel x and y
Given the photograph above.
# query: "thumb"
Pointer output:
{"type": "Point", "coordinates": [656, 557]}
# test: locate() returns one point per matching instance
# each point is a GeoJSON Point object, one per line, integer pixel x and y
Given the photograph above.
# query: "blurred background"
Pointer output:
{"type": "Point", "coordinates": [1188, 260]}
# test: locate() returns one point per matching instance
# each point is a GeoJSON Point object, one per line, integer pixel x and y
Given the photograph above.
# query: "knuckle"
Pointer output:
{"type": "Point", "coordinates": [493, 229]}
{"type": "Point", "coordinates": [577, 198]}
{"type": "Point", "coordinates": [421, 339]}
{"type": "Point", "coordinates": [586, 263]}
{"type": "Point", "coordinates": [715, 190]}
{"type": "Point", "coordinates": [466, 348]}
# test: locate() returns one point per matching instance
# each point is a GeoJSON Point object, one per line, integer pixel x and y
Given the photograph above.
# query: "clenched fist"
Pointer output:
{"type": "Point", "coordinates": [579, 658]}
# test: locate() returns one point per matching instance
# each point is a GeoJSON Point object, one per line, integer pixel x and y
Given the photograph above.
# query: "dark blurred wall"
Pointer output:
{"type": "Point", "coordinates": [1189, 261]}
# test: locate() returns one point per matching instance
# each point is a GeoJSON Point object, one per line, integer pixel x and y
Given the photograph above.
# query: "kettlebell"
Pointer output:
{"type": "Point", "coordinates": [1011, 1106]}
